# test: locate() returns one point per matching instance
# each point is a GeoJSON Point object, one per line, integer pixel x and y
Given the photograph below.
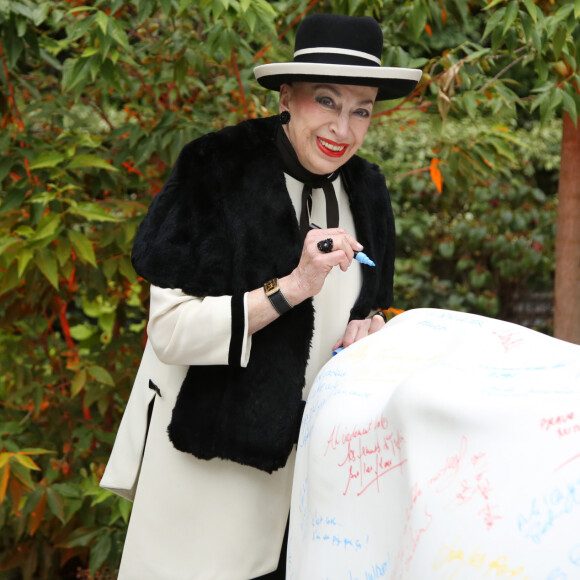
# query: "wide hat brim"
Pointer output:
{"type": "Point", "coordinates": [392, 82]}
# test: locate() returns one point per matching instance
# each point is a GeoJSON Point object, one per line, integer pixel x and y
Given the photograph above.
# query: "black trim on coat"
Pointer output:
{"type": "Point", "coordinates": [238, 330]}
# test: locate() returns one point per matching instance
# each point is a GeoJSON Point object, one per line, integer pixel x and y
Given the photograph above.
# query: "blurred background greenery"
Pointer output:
{"type": "Point", "coordinates": [97, 100]}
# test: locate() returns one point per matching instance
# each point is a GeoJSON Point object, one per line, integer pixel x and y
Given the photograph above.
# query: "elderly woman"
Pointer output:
{"type": "Point", "coordinates": [248, 300]}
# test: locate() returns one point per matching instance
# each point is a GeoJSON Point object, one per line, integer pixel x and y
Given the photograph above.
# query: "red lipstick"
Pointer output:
{"type": "Point", "coordinates": [328, 151]}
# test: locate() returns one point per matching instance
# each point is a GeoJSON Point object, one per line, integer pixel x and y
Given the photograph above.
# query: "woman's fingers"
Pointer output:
{"type": "Point", "coordinates": [358, 329]}
{"type": "Point", "coordinates": [334, 240]}
{"type": "Point", "coordinates": [355, 330]}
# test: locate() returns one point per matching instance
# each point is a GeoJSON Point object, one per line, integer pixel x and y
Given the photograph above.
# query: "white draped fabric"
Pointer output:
{"type": "Point", "coordinates": [445, 446]}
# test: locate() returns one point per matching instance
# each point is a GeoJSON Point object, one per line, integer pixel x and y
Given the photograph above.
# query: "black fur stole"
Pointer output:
{"type": "Point", "coordinates": [223, 225]}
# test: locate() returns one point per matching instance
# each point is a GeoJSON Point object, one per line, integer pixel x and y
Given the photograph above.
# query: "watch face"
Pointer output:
{"type": "Point", "coordinates": [271, 286]}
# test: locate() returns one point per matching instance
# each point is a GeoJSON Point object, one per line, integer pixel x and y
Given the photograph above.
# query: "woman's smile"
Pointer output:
{"type": "Point", "coordinates": [331, 148]}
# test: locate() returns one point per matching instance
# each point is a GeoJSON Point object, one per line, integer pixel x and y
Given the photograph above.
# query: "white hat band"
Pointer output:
{"type": "Point", "coordinates": [331, 49]}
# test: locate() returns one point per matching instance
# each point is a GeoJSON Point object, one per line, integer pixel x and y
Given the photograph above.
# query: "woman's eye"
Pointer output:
{"type": "Point", "coordinates": [363, 113]}
{"type": "Point", "coordinates": [325, 101]}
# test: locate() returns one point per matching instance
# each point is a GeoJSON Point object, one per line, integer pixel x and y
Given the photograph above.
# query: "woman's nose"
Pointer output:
{"type": "Point", "coordinates": [340, 125]}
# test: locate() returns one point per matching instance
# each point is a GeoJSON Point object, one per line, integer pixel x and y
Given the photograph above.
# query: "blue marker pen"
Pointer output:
{"type": "Point", "coordinates": [358, 256]}
{"type": "Point", "coordinates": [336, 351]}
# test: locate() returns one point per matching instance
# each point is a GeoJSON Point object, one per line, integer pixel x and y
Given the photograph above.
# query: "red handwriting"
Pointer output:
{"type": "Point", "coordinates": [508, 340]}
{"type": "Point", "coordinates": [461, 483]}
{"type": "Point", "coordinates": [416, 537]}
{"type": "Point", "coordinates": [412, 535]}
{"type": "Point", "coordinates": [477, 487]}
{"type": "Point", "coordinates": [452, 464]}
{"type": "Point", "coordinates": [367, 453]}
{"type": "Point", "coordinates": [577, 456]}
{"type": "Point", "coordinates": [549, 422]}
{"type": "Point", "coordinates": [563, 431]}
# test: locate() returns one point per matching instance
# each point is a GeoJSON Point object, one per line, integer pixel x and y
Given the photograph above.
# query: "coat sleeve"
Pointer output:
{"type": "Point", "coordinates": [189, 330]}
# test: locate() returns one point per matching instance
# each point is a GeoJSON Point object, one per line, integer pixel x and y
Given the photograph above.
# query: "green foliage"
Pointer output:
{"type": "Point", "coordinates": [99, 98]}
{"type": "Point", "coordinates": [485, 239]}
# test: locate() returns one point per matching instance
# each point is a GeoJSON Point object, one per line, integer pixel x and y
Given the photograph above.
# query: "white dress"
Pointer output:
{"type": "Point", "coordinates": [212, 520]}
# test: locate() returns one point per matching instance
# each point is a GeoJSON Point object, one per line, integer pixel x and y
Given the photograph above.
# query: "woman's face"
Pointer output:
{"type": "Point", "coordinates": [328, 122]}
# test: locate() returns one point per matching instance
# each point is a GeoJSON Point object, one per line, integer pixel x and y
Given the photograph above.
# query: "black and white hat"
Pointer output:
{"type": "Point", "coordinates": [346, 50]}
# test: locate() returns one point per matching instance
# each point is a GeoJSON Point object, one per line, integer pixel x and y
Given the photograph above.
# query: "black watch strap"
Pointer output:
{"type": "Point", "coordinates": [276, 297]}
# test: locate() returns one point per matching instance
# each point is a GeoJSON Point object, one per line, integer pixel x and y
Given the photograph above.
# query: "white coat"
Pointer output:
{"type": "Point", "coordinates": [212, 520]}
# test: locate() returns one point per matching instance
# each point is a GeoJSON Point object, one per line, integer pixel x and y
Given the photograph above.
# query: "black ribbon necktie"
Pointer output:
{"type": "Point", "coordinates": [311, 181]}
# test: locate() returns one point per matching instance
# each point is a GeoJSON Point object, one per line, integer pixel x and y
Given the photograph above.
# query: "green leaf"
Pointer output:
{"type": "Point", "coordinates": [166, 6]}
{"type": "Point", "coordinates": [9, 428]}
{"type": "Point", "coordinates": [103, 21]}
{"type": "Point", "coordinates": [92, 212]}
{"type": "Point", "coordinates": [126, 269]}
{"type": "Point", "coordinates": [90, 160]}
{"type": "Point", "coordinates": [46, 261]}
{"type": "Point", "coordinates": [62, 250]}
{"type": "Point", "coordinates": [576, 8]}
{"type": "Point", "coordinates": [10, 279]}
{"type": "Point", "coordinates": [493, 4]}
{"type": "Point", "coordinates": [495, 19]}
{"type": "Point", "coordinates": [100, 551]}
{"type": "Point", "coordinates": [470, 102]}
{"type": "Point", "coordinates": [23, 259]}
{"type": "Point", "coordinates": [570, 106]}
{"type": "Point", "coordinates": [13, 199]}
{"type": "Point", "coordinates": [76, 73]}
{"type": "Point", "coordinates": [510, 15]}
{"type": "Point", "coordinates": [80, 537]}
{"type": "Point", "coordinates": [83, 246]}
{"type": "Point", "coordinates": [447, 248]}
{"type": "Point", "coordinates": [503, 149]}
{"type": "Point", "coordinates": [82, 332]}
{"type": "Point", "coordinates": [26, 462]}
{"type": "Point", "coordinates": [559, 40]}
{"type": "Point", "coordinates": [417, 19]}
{"type": "Point", "coordinates": [82, 9]}
{"type": "Point", "coordinates": [47, 159]}
{"type": "Point", "coordinates": [78, 381]}
{"type": "Point", "coordinates": [6, 242]}
{"type": "Point", "coordinates": [101, 375]}
{"type": "Point", "coordinates": [537, 42]}
{"type": "Point", "coordinates": [21, 473]}
{"type": "Point", "coordinates": [119, 35]}
{"type": "Point", "coordinates": [55, 503]}
{"type": "Point", "coordinates": [531, 8]}
{"type": "Point", "coordinates": [526, 25]}
{"type": "Point", "coordinates": [47, 226]}
{"type": "Point", "coordinates": [125, 508]}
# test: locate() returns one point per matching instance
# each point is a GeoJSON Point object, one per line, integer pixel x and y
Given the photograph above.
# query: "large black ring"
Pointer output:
{"type": "Point", "coordinates": [382, 315]}
{"type": "Point", "coordinates": [325, 246]}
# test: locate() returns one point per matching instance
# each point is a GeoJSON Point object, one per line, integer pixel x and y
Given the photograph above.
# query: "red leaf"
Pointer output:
{"type": "Point", "coordinates": [436, 174]}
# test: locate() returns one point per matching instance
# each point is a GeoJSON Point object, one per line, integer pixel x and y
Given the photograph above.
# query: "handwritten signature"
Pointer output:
{"type": "Point", "coordinates": [366, 453]}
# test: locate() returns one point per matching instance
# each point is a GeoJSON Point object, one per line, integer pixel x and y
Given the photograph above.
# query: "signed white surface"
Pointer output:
{"type": "Point", "coordinates": [446, 446]}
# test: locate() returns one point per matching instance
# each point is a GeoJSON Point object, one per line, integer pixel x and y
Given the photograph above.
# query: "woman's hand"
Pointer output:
{"type": "Point", "coordinates": [308, 277]}
{"type": "Point", "coordinates": [358, 329]}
